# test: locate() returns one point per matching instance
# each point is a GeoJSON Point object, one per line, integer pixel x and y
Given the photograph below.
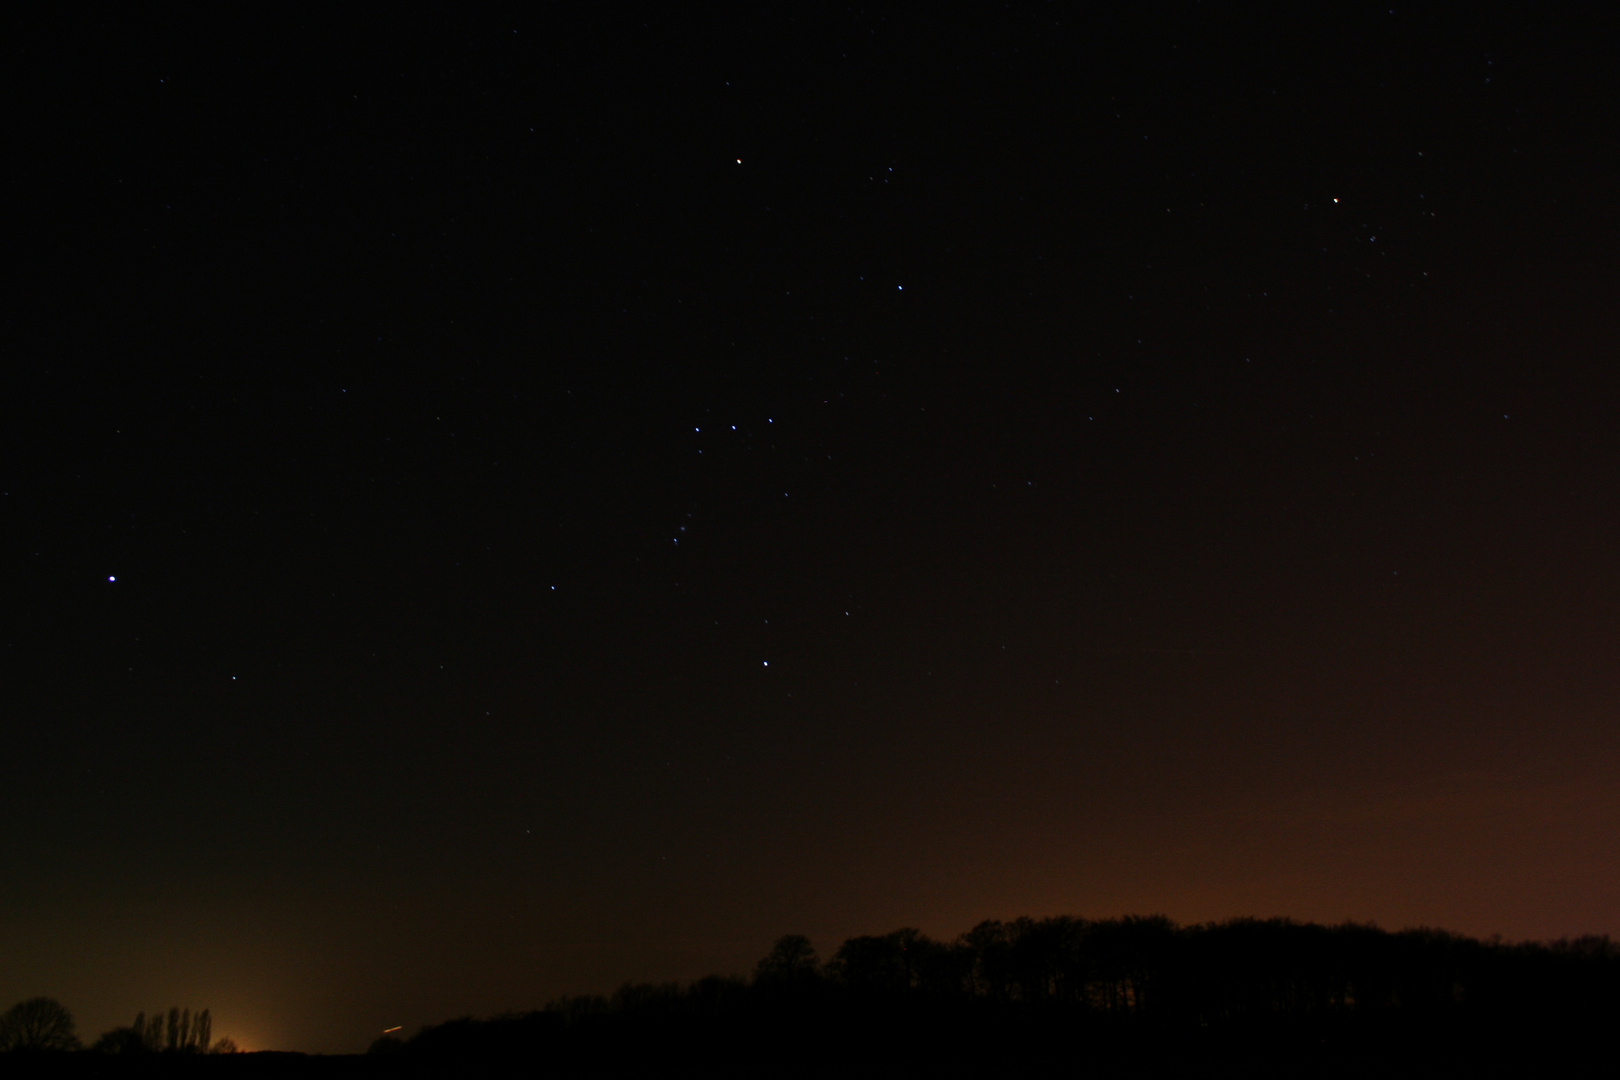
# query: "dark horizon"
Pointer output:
{"type": "Point", "coordinates": [1016, 990]}
{"type": "Point", "coordinates": [494, 509]}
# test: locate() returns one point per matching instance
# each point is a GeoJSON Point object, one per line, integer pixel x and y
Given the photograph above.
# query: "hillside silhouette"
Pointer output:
{"type": "Point", "coordinates": [1067, 994]}
{"type": "Point", "coordinates": [1031, 996]}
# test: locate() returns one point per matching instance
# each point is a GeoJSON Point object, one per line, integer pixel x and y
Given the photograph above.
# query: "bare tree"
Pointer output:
{"type": "Point", "coordinates": [37, 1024]}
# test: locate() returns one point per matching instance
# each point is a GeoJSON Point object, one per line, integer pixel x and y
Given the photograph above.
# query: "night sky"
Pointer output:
{"type": "Point", "coordinates": [497, 507]}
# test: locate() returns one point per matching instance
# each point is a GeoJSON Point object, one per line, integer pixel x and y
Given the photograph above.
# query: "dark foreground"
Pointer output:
{"type": "Point", "coordinates": [1040, 998]}
{"type": "Point", "coordinates": [924, 1050]}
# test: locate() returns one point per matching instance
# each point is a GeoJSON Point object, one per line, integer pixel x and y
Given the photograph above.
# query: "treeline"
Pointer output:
{"type": "Point", "coordinates": [177, 1032]}
{"type": "Point", "coordinates": [1036, 991]}
{"type": "Point", "coordinates": [44, 1026]}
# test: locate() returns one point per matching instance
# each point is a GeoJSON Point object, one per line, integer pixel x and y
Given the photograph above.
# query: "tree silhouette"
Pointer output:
{"type": "Point", "coordinates": [988, 946]}
{"type": "Point", "coordinates": [1038, 996]}
{"type": "Point", "coordinates": [893, 964]}
{"type": "Point", "coordinates": [177, 1031]}
{"type": "Point", "coordinates": [124, 1040]}
{"type": "Point", "coordinates": [38, 1024]}
{"type": "Point", "coordinates": [791, 962]}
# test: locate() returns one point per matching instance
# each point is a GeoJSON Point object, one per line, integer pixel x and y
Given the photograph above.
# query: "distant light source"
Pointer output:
{"type": "Point", "coordinates": [110, 577]}
{"type": "Point", "coordinates": [396, 1027]}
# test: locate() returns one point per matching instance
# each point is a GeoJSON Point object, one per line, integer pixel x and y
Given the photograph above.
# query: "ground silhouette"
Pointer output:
{"type": "Point", "coordinates": [1068, 995]}
{"type": "Point", "coordinates": [1061, 995]}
